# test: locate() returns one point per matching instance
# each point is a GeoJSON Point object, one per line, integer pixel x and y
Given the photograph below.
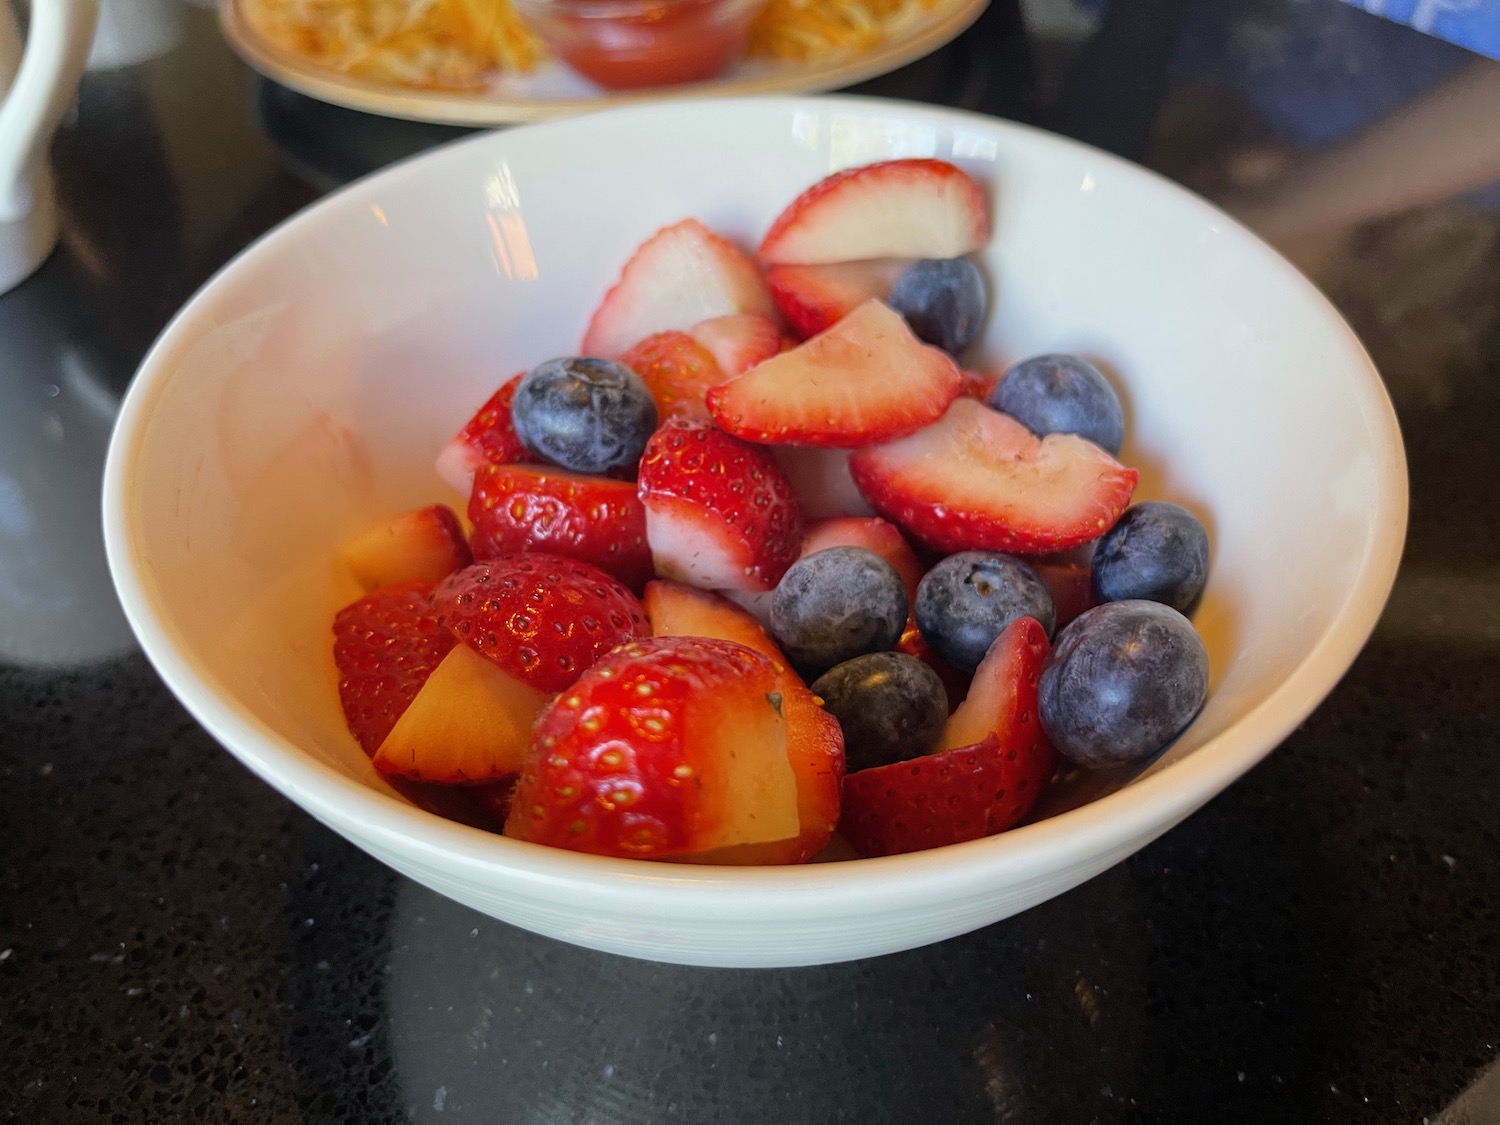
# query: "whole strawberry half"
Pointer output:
{"type": "Point", "coordinates": [543, 618]}
{"type": "Point", "coordinates": [666, 747]}
{"type": "Point", "coordinates": [518, 508]}
{"type": "Point", "coordinates": [385, 645]}
{"type": "Point", "coordinates": [815, 742]}
{"type": "Point", "coordinates": [677, 370]}
{"type": "Point", "coordinates": [995, 763]}
{"type": "Point", "coordinates": [979, 480]}
{"type": "Point", "coordinates": [864, 381]}
{"type": "Point", "coordinates": [488, 438]}
{"type": "Point", "coordinates": [720, 514]}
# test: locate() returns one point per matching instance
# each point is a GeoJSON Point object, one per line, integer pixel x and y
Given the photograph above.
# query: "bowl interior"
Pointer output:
{"type": "Point", "coordinates": [307, 390]}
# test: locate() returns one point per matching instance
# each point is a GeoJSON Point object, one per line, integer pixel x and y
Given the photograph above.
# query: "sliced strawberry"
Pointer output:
{"type": "Point", "coordinates": [385, 646]}
{"type": "Point", "coordinates": [820, 478]}
{"type": "Point", "coordinates": [978, 386]}
{"type": "Point", "coordinates": [979, 480]}
{"type": "Point", "coordinates": [667, 746]}
{"type": "Point", "coordinates": [814, 298]}
{"type": "Point", "coordinates": [967, 789]}
{"type": "Point", "coordinates": [542, 618]}
{"type": "Point", "coordinates": [895, 209]}
{"type": "Point", "coordinates": [488, 438]}
{"type": "Point", "coordinates": [426, 545]}
{"type": "Point", "coordinates": [866, 380]}
{"type": "Point", "coordinates": [877, 535]}
{"type": "Point", "coordinates": [675, 610]}
{"type": "Point", "coordinates": [739, 341]}
{"type": "Point", "coordinates": [470, 724]}
{"type": "Point", "coordinates": [517, 508]}
{"type": "Point", "coordinates": [815, 744]}
{"type": "Point", "coordinates": [677, 370]}
{"type": "Point", "coordinates": [679, 276]}
{"type": "Point", "coordinates": [927, 802]}
{"type": "Point", "coordinates": [719, 513]}
{"type": "Point", "coordinates": [1069, 576]}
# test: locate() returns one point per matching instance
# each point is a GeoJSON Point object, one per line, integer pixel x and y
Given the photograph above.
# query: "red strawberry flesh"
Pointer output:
{"type": "Point", "coordinates": [516, 508]}
{"type": "Point", "coordinates": [629, 761]}
{"type": "Point", "coordinates": [385, 646]}
{"type": "Point", "coordinates": [719, 513]}
{"type": "Point", "coordinates": [968, 791]}
{"type": "Point", "coordinates": [543, 618]}
{"type": "Point", "coordinates": [488, 438]}
{"type": "Point", "coordinates": [677, 370]}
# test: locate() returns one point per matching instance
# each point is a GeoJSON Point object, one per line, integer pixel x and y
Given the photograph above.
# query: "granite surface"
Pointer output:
{"type": "Point", "coordinates": [179, 943]}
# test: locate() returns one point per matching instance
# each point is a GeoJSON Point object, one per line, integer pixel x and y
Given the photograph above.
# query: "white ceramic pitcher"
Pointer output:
{"type": "Point", "coordinates": [37, 82]}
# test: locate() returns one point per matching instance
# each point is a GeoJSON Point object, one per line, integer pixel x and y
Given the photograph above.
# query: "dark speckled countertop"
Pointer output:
{"type": "Point", "coordinates": [1320, 944]}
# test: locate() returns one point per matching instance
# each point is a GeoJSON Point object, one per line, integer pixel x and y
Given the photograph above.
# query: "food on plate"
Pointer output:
{"type": "Point", "coordinates": [464, 45]}
{"type": "Point", "coordinates": [436, 44]}
{"type": "Point", "coordinates": [670, 536]}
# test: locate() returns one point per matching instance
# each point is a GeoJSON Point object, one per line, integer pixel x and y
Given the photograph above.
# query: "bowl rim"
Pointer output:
{"type": "Point", "coordinates": [1111, 825]}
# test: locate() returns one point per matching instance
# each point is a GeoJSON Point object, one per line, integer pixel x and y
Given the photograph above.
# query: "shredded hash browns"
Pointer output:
{"type": "Point", "coordinates": [459, 45]}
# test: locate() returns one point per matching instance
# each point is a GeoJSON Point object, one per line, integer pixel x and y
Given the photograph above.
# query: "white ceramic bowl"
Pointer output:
{"type": "Point", "coordinates": [307, 388]}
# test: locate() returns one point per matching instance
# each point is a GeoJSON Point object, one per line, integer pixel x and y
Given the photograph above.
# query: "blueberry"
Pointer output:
{"type": "Point", "coordinates": [943, 300]}
{"type": "Point", "coordinates": [1062, 394]}
{"type": "Point", "coordinates": [1156, 551]}
{"type": "Point", "coordinates": [1123, 680]}
{"type": "Point", "coordinates": [967, 600]}
{"type": "Point", "coordinates": [837, 604]}
{"type": "Point", "coordinates": [892, 707]}
{"type": "Point", "coordinates": [588, 415]}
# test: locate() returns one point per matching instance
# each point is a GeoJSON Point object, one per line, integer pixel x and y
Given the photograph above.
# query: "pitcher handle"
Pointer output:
{"type": "Point", "coordinates": [57, 45]}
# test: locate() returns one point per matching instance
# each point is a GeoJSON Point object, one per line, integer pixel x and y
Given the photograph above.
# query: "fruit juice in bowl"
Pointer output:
{"type": "Point", "coordinates": [629, 44]}
{"type": "Point", "coordinates": [758, 525]}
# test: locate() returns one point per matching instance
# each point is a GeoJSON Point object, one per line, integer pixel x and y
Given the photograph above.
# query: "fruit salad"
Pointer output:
{"type": "Point", "coordinates": [769, 570]}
